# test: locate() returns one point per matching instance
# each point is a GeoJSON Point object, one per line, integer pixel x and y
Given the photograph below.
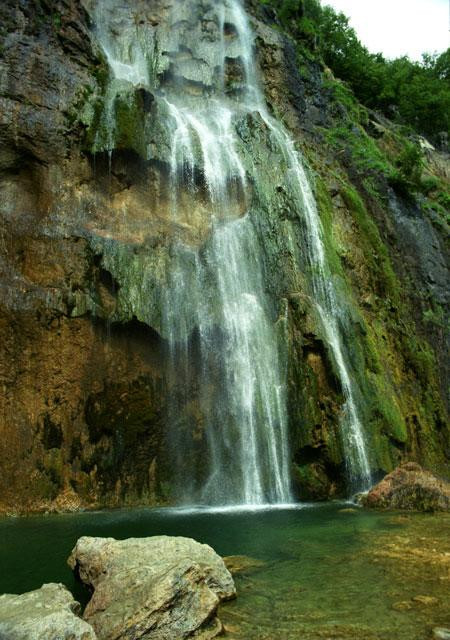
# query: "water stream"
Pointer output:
{"type": "Point", "coordinates": [216, 300]}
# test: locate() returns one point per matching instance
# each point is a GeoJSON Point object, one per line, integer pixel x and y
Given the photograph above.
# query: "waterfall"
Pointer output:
{"type": "Point", "coordinates": [217, 317]}
{"type": "Point", "coordinates": [245, 418]}
{"type": "Point", "coordinates": [327, 306]}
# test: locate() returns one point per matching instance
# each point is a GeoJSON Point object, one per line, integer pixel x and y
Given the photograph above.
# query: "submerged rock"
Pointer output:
{"type": "Point", "coordinates": [421, 601]}
{"type": "Point", "coordinates": [439, 633]}
{"type": "Point", "coordinates": [162, 587]}
{"type": "Point", "coordinates": [242, 564]}
{"type": "Point", "coordinates": [410, 487]}
{"type": "Point", "coordinates": [48, 613]}
{"type": "Point", "coordinates": [425, 601]}
{"type": "Point", "coordinates": [404, 605]}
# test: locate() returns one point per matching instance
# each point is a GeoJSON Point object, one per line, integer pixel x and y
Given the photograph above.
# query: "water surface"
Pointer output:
{"type": "Point", "coordinates": [323, 571]}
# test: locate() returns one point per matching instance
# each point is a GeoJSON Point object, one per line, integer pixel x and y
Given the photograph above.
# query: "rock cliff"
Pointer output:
{"type": "Point", "coordinates": [85, 244]}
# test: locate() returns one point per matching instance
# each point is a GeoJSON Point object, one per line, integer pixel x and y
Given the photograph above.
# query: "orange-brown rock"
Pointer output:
{"type": "Point", "coordinates": [410, 487]}
{"type": "Point", "coordinates": [162, 587]}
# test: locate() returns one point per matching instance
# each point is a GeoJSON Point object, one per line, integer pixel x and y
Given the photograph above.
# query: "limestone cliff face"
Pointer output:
{"type": "Point", "coordinates": [85, 244]}
{"type": "Point", "coordinates": [66, 373]}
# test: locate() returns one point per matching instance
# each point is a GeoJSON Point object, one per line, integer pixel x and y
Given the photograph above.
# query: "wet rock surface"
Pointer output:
{"type": "Point", "coordinates": [86, 243]}
{"type": "Point", "coordinates": [48, 613]}
{"type": "Point", "coordinates": [161, 587]}
{"type": "Point", "coordinates": [242, 564]}
{"type": "Point", "coordinates": [410, 487]}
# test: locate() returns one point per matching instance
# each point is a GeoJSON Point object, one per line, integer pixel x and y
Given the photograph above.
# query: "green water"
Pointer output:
{"type": "Point", "coordinates": [323, 571]}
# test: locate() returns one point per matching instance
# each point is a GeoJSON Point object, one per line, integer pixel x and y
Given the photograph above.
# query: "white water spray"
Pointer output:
{"type": "Point", "coordinates": [324, 293]}
{"type": "Point", "coordinates": [218, 290]}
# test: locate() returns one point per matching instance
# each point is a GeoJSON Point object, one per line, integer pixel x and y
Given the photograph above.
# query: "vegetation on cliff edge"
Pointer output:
{"type": "Point", "coordinates": [416, 94]}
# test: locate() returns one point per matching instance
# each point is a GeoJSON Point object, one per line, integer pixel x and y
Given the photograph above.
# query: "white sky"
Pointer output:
{"type": "Point", "coordinates": [398, 27]}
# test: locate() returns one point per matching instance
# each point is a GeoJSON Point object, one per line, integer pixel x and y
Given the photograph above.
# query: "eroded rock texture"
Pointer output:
{"type": "Point", "coordinates": [48, 613]}
{"type": "Point", "coordinates": [85, 245]}
{"type": "Point", "coordinates": [410, 487]}
{"type": "Point", "coordinates": [167, 588]}
{"type": "Point", "coordinates": [67, 372]}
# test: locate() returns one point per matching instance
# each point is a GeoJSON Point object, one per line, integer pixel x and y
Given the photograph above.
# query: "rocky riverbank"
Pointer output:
{"type": "Point", "coordinates": [327, 571]}
{"type": "Point", "coordinates": [161, 588]}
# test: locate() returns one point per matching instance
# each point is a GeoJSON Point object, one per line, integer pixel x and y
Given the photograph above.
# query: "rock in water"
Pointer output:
{"type": "Point", "coordinates": [160, 588]}
{"type": "Point", "coordinates": [47, 613]}
{"type": "Point", "coordinates": [439, 633]}
{"type": "Point", "coordinates": [410, 487]}
{"type": "Point", "coordinates": [242, 564]}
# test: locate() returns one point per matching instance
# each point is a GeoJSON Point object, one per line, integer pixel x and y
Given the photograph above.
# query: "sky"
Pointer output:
{"type": "Point", "coordinates": [398, 27]}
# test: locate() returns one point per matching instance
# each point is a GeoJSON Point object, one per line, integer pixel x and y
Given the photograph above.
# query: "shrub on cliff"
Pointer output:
{"type": "Point", "coordinates": [413, 93]}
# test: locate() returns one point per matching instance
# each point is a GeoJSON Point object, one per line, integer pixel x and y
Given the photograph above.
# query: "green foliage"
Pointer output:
{"type": "Point", "coordinates": [56, 20]}
{"type": "Point", "coordinates": [289, 9]}
{"type": "Point", "coordinates": [406, 177]}
{"type": "Point", "coordinates": [430, 184]}
{"type": "Point", "coordinates": [439, 214]}
{"type": "Point", "coordinates": [435, 316]}
{"type": "Point", "coordinates": [368, 158]}
{"type": "Point", "coordinates": [371, 164]}
{"type": "Point", "coordinates": [443, 198]}
{"type": "Point", "coordinates": [410, 92]}
{"type": "Point", "coordinates": [420, 358]}
{"type": "Point", "coordinates": [438, 65]}
{"type": "Point", "coordinates": [415, 93]}
{"type": "Point", "coordinates": [410, 162]}
{"type": "Point", "coordinates": [386, 410]}
{"type": "Point", "coordinates": [394, 363]}
{"type": "Point", "coordinates": [301, 18]}
{"type": "Point", "coordinates": [377, 253]}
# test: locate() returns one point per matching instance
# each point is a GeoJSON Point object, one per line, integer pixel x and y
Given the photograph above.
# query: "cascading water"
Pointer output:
{"type": "Point", "coordinates": [322, 285]}
{"type": "Point", "coordinates": [215, 307]}
{"type": "Point", "coordinates": [326, 302]}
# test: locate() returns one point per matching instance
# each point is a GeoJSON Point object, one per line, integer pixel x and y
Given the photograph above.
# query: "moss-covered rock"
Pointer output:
{"type": "Point", "coordinates": [410, 487]}
{"type": "Point", "coordinates": [89, 237]}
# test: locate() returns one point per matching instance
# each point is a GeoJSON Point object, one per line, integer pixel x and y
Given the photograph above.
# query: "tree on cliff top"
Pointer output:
{"type": "Point", "coordinates": [413, 93]}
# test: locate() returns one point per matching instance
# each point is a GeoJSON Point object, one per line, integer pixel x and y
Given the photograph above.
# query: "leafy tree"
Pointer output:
{"type": "Point", "coordinates": [413, 93]}
{"type": "Point", "coordinates": [407, 177]}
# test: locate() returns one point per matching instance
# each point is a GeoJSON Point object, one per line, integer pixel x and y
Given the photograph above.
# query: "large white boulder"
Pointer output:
{"type": "Point", "coordinates": [158, 588]}
{"type": "Point", "coordinates": [48, 613]}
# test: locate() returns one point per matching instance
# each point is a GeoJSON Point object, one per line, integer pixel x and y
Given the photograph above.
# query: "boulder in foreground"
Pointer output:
{"type": "Point", "coordinates": [48, 613]}
{"type": "Point", "coordinates": [158, 588]}
{"type": "Point", "coordinates": [410, 487]}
